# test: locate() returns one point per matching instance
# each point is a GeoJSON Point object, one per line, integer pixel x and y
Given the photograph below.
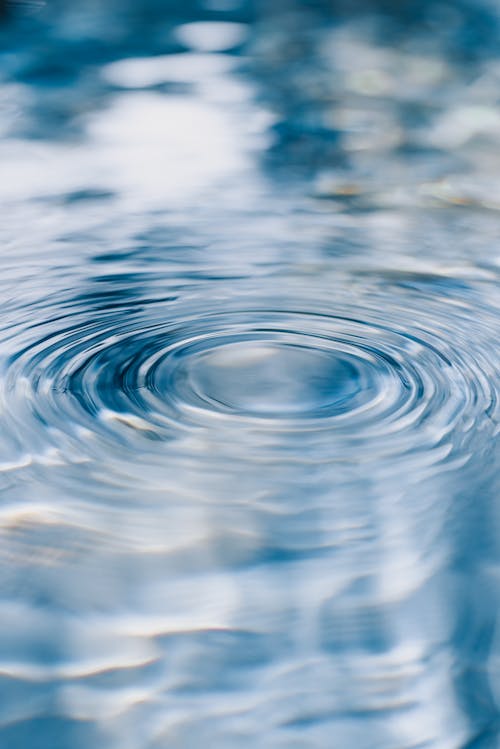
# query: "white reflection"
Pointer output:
{"type": "Point", "coordinates": [153, 147]}
{"type": "Point", "coordinates": [141, 72]}
{"type": "Point", "coordinates": [145, 147]}
{"type": "Point", "coordinates": [211, 36]}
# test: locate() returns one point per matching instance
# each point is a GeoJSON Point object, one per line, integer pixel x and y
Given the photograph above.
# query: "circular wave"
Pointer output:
{"type": "Point", "coordinates": [356, 382]}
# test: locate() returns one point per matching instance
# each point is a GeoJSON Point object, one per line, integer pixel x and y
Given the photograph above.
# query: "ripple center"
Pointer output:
{"type": "Point", "coordinates": [272, 379]}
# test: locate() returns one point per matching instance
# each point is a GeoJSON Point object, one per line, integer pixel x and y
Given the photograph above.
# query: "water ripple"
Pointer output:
{"type": "Point", "coordinates": [354, 378]}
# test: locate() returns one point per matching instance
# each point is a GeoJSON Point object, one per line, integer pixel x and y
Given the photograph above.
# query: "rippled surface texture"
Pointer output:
{"type": "Point", "coordinates": [249, 375]}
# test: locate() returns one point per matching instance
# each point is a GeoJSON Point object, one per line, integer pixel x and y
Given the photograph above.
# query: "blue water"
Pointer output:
{"type": "Point", "coordinates": [249, 375]}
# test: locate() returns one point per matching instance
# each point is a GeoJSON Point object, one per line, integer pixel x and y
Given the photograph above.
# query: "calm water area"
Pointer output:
{"type": "Point", "coordinates": [249, 374]}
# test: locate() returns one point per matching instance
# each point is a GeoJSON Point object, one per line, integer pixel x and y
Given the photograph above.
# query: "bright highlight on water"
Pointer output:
{"type": "Point", "coordinates": [249, 375]}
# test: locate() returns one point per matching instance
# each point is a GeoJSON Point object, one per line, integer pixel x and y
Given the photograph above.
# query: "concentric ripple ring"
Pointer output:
{"type": "Point", "coordinates": [270, 370]}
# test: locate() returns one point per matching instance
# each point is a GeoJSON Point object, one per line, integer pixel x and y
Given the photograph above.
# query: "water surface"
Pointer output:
{"type": "Point", "coordinates": [249, 375]}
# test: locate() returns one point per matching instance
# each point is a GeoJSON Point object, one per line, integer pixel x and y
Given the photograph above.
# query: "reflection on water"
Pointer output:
{"type": "Point", "coordinates": [249, 375]}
